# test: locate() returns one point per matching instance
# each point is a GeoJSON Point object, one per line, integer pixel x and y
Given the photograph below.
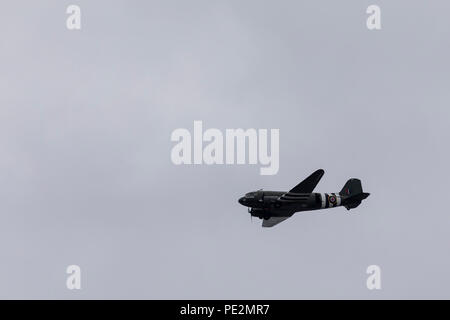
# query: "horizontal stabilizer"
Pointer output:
{"type": "Point", "coordinates": [353, 201]}
{"type": "Point", "coordinates": [357, 197]}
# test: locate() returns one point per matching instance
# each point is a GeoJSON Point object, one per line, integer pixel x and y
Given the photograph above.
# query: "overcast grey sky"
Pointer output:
{"type": "Point", "coordinates": [85, 169]}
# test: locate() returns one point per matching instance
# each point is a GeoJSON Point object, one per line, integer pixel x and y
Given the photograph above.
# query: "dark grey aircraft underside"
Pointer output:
{"type": "Point", "coordinates": [276, 206]}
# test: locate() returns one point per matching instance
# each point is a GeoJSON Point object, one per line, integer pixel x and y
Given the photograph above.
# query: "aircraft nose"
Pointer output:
{"type": "Point", "coordinates": [242, 201]}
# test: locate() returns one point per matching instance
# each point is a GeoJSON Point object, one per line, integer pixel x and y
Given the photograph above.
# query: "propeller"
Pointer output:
{"type": "Point", "coordinates": [259, 197]}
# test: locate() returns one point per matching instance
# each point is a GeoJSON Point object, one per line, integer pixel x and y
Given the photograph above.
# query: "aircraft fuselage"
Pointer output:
{"type": "Point", "coordinates": [266, 204]}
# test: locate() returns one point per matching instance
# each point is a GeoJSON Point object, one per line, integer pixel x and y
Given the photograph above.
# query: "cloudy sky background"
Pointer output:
{"type": "Point", "coordinates": [85, 124]}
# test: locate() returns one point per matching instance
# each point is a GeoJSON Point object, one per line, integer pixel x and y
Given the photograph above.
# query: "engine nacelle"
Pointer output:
{"type": "Point", "coordinates": [260, 213]}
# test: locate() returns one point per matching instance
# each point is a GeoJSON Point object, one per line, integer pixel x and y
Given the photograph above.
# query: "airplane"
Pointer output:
{"type": "Point", "coordinates": [276, 206]}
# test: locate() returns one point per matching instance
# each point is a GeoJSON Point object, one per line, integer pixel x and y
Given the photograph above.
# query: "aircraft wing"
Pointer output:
{"type": "Point", "coordinates": [308, 185]}
{"type": "Point", "coordinates": [273, 221]}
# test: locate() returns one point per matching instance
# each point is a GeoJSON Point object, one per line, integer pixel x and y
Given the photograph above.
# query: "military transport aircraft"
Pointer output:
{"type": "Point", "coordinates": [276, 206]}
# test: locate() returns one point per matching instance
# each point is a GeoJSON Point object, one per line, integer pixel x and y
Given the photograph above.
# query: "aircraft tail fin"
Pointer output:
{"type": "Point", "coordinates": [352, 194]}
